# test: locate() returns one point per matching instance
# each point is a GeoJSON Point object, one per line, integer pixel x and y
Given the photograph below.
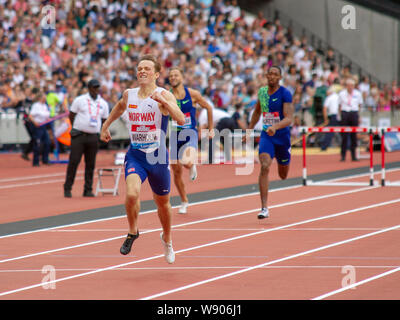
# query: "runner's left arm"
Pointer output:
{"type": "Point", "coordinates": [287, 116]}
{"type": "Point", "coordinates": [198, 98]}
{"type": "Point", "coordinates": [168, 105]}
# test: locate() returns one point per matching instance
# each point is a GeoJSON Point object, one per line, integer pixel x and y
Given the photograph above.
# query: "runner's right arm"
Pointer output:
{"type": "Point", "coordinates": [253, 121]}
{"type": "Point", "coordinates": [197, 98]}
{"type": "Point", "coordinates": [115, 113]}
{"type": "Point", "coordinates": [255, 116]}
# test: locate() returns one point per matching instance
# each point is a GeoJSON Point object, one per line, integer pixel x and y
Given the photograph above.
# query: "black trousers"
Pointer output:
{"type": "Point", "coordinates": [86, 144]}
{"type": "Point", "coordinates": [30, 127]}
{"type": "Point", "coordinates": [349, 119]}
{"type": "Point", "coordinates": [41, 145]}
{"type": "Point", "coordinates": [230, 124]}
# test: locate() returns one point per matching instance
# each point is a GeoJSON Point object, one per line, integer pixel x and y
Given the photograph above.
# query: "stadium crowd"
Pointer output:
{"type": "Point", "coordinates": [57, 46]}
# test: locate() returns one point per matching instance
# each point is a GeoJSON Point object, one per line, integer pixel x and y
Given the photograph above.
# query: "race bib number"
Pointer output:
{"type": "Point", "coordinates": [188, 122]}
{"type": "Point", "coordinates": [270, 118]}
{"type": "Point", "coordinates": [144, 136]}
{"type": "Point", "coordinates": [93, 122]}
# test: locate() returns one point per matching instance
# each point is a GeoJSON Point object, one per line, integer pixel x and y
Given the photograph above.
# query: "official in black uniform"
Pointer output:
{"type": "Point", "coordinates": [87, 114]}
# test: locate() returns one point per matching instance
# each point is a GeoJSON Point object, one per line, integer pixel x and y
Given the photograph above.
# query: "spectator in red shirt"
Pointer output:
{"type": "Point", "coordinates": [395, 101]}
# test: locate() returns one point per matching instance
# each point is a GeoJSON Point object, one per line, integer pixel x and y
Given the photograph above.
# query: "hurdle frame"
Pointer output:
{"type": "Point", "coordinates": [338, 129]}
{"type": "Point", "coordinates": [382, 131]}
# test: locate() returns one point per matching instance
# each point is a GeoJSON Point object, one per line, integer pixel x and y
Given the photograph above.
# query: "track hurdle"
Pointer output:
{"type": "Point", "coordinates": [382, 132]}
{"type": "Point", "coordinates": [370, 130]}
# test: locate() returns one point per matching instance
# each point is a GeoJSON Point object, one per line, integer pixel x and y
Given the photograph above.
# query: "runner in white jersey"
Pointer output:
{"type": "Point", "coordinates": [146, 122]}
{"type": "Point", "coordinates": [148, 108]}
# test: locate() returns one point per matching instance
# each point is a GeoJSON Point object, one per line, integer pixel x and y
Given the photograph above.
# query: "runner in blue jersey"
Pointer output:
{"type": "Point", "coordinates": [148, 108]}
{"type": "Point", "coordinates": [274, 104]}
{"type": "Point", "coordinates": [184, 138]}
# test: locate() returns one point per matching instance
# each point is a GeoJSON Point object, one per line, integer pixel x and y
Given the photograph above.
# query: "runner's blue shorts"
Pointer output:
{"type": "Point", "coordinates": [147, 165]}
{"type": "Point", "coordinates": [278, 146]}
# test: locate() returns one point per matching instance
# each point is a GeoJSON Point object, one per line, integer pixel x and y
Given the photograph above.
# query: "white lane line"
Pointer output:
{"type": "Point", "coordinates": [360, 258]}
{"type": "Point", "coordinates": [141, 213]}
{"type": "Point", "coordinates": [58, 174]}
{"type": "Point", "coordinates": [191, 223]}
{"type": "Point", "coordinates": [90, 230]}
{"type": "Point", "coordinates": [223, 229]}
{"type": "Point", "coordinates": [195, 284]}
{"type": "Point", "coordinates": [199, 268]}
{"type": "Point", "coordinates": [357, 284]}
{"type": "Point", "coordinates": [190, 204]}
{"type": "Point", "coordinates": [41, 176]}
{"type": "Point", "coordinates": [28, 184]}
{"type": "Point", "coordinates": [225, 241]}
{"type": "Point", "coordinates": [148, 211]}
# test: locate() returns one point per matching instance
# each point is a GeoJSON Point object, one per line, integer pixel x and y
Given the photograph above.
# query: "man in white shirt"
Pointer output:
{"type": "Point", "coordinates": [217, 115]}
{"type": "Point", "coordinates": [40, 112]}
{"type": "Point", "coordinates": [87, 113]}
{"type": "Point", "coordinates": [330, 112]}
{"type": "Point", "coordinates": [350, 102]}
{"type": "Point", "coordinates": [364, 87]}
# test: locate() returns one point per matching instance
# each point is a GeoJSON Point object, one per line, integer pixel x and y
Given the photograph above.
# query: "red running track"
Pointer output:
{"type": "Point", "coordinates": [29, 193]}
{"type": "Point", "coordinates": [317, 241]}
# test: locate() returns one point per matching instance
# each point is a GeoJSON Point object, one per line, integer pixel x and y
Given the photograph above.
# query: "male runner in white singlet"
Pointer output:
{"type": "Point", "coordinates": [148, 108]}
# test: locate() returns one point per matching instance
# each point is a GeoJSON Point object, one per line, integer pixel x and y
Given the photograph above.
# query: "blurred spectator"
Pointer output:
{"type": "Point", "coordinates": [81, 18]}
{"type": "Point", "coordinates": [350, 102]}
{"type": "Point", "coordinates": [318, 101]}
{"type": "Point", "coordinates": [239, 117]}
{"type": "Point", "coordinates": [118, 21]}
{"type": "Point", "coordinates": [307, 103]}
{"type": "Point", "coordinates": [385, 99]}
{"type": "Point", "coordinates": [297, 103]}
{"type": "Point", "coordinates": [29, 126]}
{"type": "Point", "coordinates": [372, 100]}
{"type": "Point", "coordinates": [395, 101]}
{"type": "Point", "coordinates": [213, 41]}
{"type": "Point", "coordinates": [38, 114]}
{"type": "Point", "coordinates": [8, 98]}
{"type": "Point", "coordinates": [364, 87]}
{"type": "Point", "coordinates": [218, 114]}
{"type": "Point", "coordinates": [295, 131]}
{"type": "Point", "coordinates": [330, 112]}
{"type": "Point", "coordinates": [337, 86]}
{"type": "Point", "coordinates": [330, 56]}
{"type": "Point", "coordinates": [334, 74]}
